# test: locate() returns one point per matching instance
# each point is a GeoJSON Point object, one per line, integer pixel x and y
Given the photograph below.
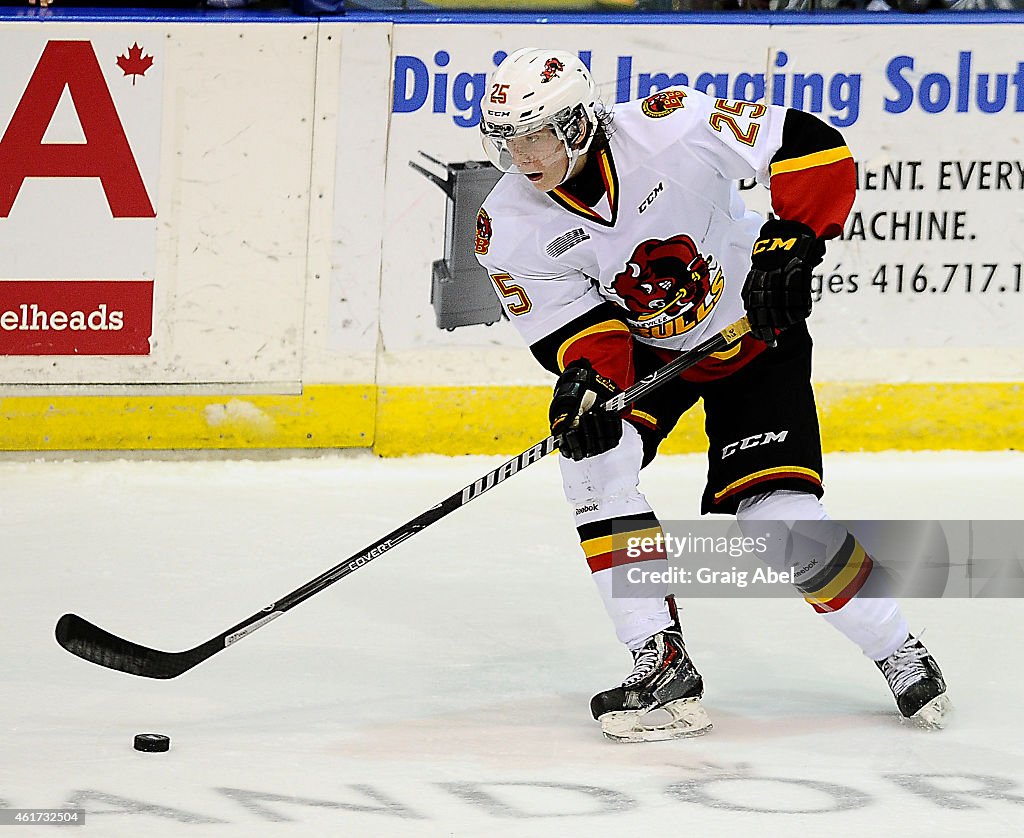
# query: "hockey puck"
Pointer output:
{"type": "Point", "coordinates": [152, 742]}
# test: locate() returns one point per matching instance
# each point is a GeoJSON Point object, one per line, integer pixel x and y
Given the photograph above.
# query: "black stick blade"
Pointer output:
{"type": "Point", "coordinates": [91, 643]}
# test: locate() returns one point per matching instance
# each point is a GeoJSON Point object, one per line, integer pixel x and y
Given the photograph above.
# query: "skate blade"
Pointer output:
{"type": "Point", "coordinates": [679, 719]}
{"type": "Point", "coordinates": [935, 714]}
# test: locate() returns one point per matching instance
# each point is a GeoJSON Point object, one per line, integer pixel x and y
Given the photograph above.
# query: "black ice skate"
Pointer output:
{"type": "Point", "coordinates": [916, 681]}
{"type": "Point", "coordinates": [661, 697]}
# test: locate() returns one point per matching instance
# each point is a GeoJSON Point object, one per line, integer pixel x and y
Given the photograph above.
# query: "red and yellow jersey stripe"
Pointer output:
{"type": "Point", "coordinates": [766, 475]}
{"type": "Point", "coordinates": [606, 170]}
{"type": "Point", "coordinates": [601, 336]}
{"type": "Point", "coordinates": [813, 177]}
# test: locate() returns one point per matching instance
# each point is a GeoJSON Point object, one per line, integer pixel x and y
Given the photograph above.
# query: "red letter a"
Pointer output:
{"type": "Point", "coordinates": [105, 154]}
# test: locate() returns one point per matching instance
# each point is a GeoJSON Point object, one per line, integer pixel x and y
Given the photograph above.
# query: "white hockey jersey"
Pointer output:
{"type": "Point", "coordinates": [670, 240]}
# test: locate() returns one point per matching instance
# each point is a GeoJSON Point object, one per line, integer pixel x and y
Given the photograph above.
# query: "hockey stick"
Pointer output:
{"type": "Point", "coordinates": [91, 643]}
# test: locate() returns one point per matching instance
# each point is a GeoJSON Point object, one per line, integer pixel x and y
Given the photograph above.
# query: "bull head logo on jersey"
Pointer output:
{"type": "Point", "coordinates": [552, 67]}
{"type": "Point", "coordinates": [668, 286]}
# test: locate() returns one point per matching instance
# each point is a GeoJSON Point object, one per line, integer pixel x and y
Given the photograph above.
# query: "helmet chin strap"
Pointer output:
{"type": "Point", "coordinates": [574, 154]}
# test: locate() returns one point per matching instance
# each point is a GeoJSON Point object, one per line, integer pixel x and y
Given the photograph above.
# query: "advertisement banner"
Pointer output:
{"type": "Point", "coordinates": [155, 207]}
{"type": "Point", "coordinates": [926, 280]}
{"type": "Point", "coordinates": [79, 169]}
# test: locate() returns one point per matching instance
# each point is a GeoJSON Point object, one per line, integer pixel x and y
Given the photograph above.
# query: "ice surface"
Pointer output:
{"type": "Point", "coordinates": [444, 689]}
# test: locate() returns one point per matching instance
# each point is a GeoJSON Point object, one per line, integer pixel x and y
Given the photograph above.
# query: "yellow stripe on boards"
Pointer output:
{"type": "Point", "coordinates": [338, 416]}
{"type": "Point", "coordinates": [395, 421]}
{"type": "Point", "coordinates": [460, 420]}
{"type": "Point", "coordinates": [854, 417]}
{"type": "Point", "coordinates": [963, 416]}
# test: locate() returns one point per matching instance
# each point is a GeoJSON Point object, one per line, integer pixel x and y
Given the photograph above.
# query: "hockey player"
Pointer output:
{"type": "Point", "coordinates": [614, 243]}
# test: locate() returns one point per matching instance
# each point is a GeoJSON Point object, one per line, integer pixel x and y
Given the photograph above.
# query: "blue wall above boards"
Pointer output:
{"type": "Point", "coordinates": [423, 13]}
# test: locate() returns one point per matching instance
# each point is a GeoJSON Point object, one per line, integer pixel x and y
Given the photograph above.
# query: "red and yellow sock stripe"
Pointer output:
{"type": "Point", "coordinates": [613, 549]}
{"type": "Point", "coordinates": [841, 580]}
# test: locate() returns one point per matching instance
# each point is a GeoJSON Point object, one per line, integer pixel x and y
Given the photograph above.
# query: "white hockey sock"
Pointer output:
{"type": "Point", "coordinates": [875, 624]}
{"type": "Point", "coordinates": [635, 618]}
{"type": "Point", "coordinates": [605, 488]}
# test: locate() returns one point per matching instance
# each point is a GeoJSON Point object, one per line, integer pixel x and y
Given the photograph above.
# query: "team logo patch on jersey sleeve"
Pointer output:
{"type": "Point", "coordinates": [662, 104]}
{"type": "Point", "coordinates": [483, 232]}
{"type": "Point", "coordinates": [668, 287]}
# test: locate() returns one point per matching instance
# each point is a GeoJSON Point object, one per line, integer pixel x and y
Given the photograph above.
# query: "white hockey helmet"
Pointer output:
{"type": "Point", "coordinates": [534, 89]}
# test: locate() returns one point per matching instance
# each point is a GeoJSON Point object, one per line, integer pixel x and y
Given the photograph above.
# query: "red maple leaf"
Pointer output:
{"type": "Point", "coordinates": [135, 63]}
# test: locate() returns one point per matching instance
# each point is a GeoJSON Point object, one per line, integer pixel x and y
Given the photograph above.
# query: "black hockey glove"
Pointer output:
{"type": "Point", "coordinates": [584, 432]}
{"type": "Point", "coordinates": [777, 292]}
